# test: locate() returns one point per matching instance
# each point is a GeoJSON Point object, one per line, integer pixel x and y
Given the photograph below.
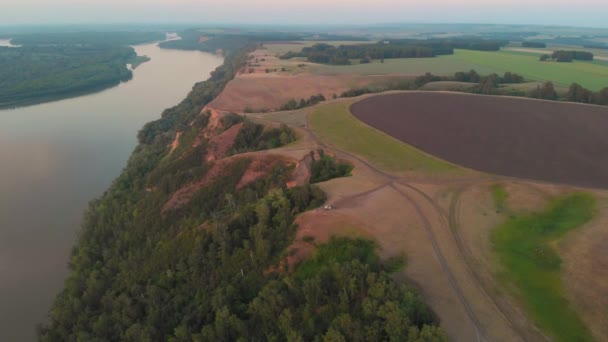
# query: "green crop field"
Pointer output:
{"type": "Point", "coordinates": [592, 75]}
{"type": "Point", "coordinates": [442, 65]}
{"type": "Point", "coordinates": [524, 246]}
{"type": "Point", "coordinates": [335, 125]}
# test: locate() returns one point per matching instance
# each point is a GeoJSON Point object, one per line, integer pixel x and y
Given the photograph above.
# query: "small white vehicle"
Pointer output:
{"type": "Point", "coordinates": [328, 207]}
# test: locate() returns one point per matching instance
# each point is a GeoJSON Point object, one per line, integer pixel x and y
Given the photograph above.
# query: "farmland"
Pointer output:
{"type": "Point", "coordinates": [335, 125]}
{"type": "Point", "coordinates": [441, 65]}
{"type": "Point", "coordinates": [592, 75]}
{"type": "Point", "coordinates": [589, 74]}
{"type": "Point", "coordinates": [399, 190]}
{"type": "Point", "coordinates": [523, 138]}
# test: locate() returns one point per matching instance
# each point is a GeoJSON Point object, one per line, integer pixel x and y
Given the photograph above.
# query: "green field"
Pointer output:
{"type": "Point", "coordinates": [442, 65]}
{"type": "Point", "coordinates": [335, 125]}
{"type": "Point", "coordinates": [499, 195]}
{"type": "Point", "coordinates": [524, 246]}
{"type": "Point", "coordinates": [592, 75]}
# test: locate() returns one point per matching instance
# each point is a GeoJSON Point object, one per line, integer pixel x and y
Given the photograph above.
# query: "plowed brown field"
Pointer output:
{"type": "Point", "coordinates": [549, 141]}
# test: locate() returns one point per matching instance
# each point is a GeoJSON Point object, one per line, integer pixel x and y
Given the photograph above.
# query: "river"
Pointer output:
{"type": "Point", "coordinates": [55, 158]}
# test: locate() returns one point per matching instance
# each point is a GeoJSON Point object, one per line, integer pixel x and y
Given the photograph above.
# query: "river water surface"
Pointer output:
{"type": "Point", "coordinates": [55, 158]}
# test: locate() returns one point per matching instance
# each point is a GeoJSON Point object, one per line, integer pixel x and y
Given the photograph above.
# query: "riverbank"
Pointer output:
{"type": "Point", "coordinates": [59, 155]}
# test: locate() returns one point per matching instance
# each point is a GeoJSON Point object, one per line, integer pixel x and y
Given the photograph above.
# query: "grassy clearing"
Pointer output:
{"type": "Point", "coordinates": [499, 194]}
{"type": "Point", "coordinates": [335, 124]}
{"type": "Point", "coordinates": [524, 246]}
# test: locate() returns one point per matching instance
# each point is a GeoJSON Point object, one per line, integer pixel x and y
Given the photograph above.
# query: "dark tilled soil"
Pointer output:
{"type": "Point", "coordinates": [549, 141]}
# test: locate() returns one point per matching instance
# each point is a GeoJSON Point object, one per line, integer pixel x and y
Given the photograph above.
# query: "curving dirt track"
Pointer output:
{"type": "Point", "coordinates": [533, 139]}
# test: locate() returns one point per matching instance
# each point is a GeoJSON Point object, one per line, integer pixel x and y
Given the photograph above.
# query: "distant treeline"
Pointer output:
{"type": "Point", "coordinates": [534, 45]}
{"type": "Point", "coordinates": [406, 48]}
{"type": "Point", "coordinates": [485, 84]}
{"type": "Point", "coordinates": [465, 43]}
{"type": "Point", "coordinates": [34, 74]}
{"type": "Point", "coordinates": [195, 39]}
{"type": "Point", "coordinates": [568, 56]}
{"type": "Point", "coordinates": [60, 65]}
{"type": "Point", "coordinates": [292, 104]}
{"type": "Point", "coordinates": [494, 84]}
{"type": "Point", "coordinates": [596, 46]}
{"type": "Point", "coordinates": [576, 93]}
{"type": "Point", "coordinates": [508, 36]}
{"type": "Point", "coordinates": [574, 41]}
{"type": "Point", "coordinates": [88, 38]}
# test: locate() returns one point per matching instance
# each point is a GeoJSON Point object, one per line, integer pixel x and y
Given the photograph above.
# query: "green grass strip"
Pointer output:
{"type": "Point", "coordinates": [335, 125]}
{"type": "Point", "coordinates": [499, 194]}
{"type": "Point", "coordinates": [524, 245]}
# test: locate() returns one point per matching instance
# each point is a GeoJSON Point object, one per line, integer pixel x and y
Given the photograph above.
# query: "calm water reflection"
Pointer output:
{"type": "Point", "coordinates": [55, 158]}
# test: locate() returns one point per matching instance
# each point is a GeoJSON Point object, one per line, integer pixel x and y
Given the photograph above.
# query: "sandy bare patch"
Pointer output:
{"type": "Point", "coordinates": [260, 167]}
{"type": "Point", "coordinates": [220, 144]}
{"type": "Point", "coordinates": [183, 195]}
{"type": "Point", "coordinates": [213, 127]}
{"type": "Point", "coordinates": [175, 143]}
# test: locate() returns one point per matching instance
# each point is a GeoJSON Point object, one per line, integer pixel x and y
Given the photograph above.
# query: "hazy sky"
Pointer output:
{"type": "Point", "coordinates": [559, 12]}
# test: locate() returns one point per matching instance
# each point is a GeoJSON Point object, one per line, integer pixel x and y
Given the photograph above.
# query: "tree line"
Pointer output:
{"type": "Point", "coordinates": [528, 44]}
{"type": "Point", "coordinates": [121, 38]}
{"type": "Point", "coordinates": [493, 84]}
{"type": "Point", "coordinates": [292, 104]}
{"type": "Point", "coordinates": [342, 55]}
{"type": "Point", "coordinates": [214, 42]}
{"type": "Point", "coordinates": [564, 56]}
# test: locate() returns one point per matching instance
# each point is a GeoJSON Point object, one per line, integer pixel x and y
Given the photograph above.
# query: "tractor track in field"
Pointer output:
{"type": "Point", "coordinates": [448, 219]}
{"type": "Point", "coordinates": [391, 181]}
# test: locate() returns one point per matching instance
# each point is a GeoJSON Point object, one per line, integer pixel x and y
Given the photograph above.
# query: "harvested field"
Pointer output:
{"type": "Point", "coordinates": [548, 141]}
{"type": "Point", "coordinates": [268, 92]}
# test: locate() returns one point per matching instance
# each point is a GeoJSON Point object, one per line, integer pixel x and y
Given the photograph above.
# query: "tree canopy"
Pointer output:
{"type": "Point", "coordinates": [214, 268]}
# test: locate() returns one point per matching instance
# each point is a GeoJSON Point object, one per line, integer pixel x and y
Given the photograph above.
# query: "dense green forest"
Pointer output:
{"type": "Point", "coordinates": [213, 269]}
{"type": "Point", "coordinates": [191, 40]}
{"type": "Point", "coordinates": [404, 48]}
{"type": "Point", "coordinates": [327, 167]}
{"type": "Point", "coordinates": [32, 74]}
{"type": "Point", "coordinates": [58, 65]}
{"type": "Point", "coordinates": [530, 44]}
{"type": "Point", "coordinates": [88, 38]}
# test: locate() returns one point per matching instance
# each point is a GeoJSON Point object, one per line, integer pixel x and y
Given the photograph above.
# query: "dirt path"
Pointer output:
{"type": "Point", "coordinates": [422, 216]}
{"type": "Point", "coordinates": [466, 307]}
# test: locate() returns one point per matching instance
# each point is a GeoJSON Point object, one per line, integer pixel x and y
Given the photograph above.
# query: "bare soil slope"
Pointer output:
{"type": "Point", "coordinates": [533, 139]}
